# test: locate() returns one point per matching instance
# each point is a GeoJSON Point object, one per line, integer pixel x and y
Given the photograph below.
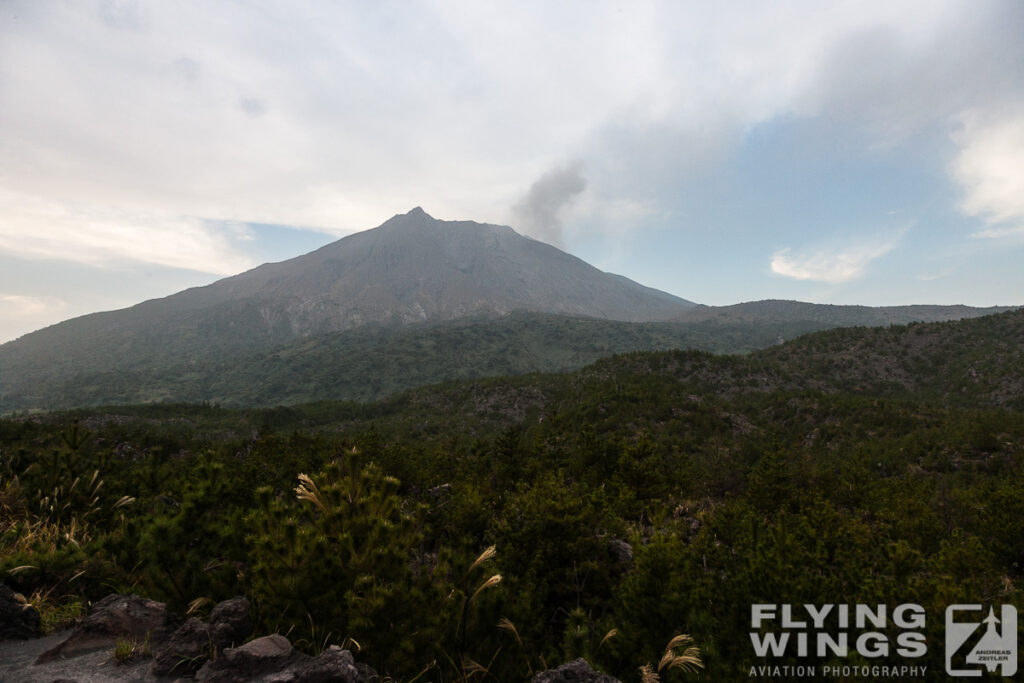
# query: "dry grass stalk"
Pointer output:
{"type": "Point", "coordinates": [647, 675]}
{"type": "Point", "coordinates": [493, 581]}
{"type": "Point", "coordinates": [689, 660]}
{"type": "Point", "coordinates": [307, 490]}
{"type": "Point", "coordinates": [484, 557]}
{"type": "Point", "coordinates": [196, 604]}
{"type": "Point", "coordinates": [608, 636]}
{"type": "Point", "coordinates": [122, 501]}
{"type": "Point", "coordinates": [470, 667]}
{"type": "Point", "coordinates": [506, 625]}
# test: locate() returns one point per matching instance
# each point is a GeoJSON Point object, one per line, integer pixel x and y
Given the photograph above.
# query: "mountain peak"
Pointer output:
{"type": "Point", "coordinates": [414, 218]}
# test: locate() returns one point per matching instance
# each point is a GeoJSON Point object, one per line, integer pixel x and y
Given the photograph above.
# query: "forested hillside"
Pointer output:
{"type": "Point", "coordinates": [225, 365]}
{"type": "Point", "coordinates": [643, 496]}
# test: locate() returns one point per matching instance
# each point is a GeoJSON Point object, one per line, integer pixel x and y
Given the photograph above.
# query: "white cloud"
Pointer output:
{"type": "Point", "coordinates": [830, 265]}
{"type": "Point", "coordinates": [20, 313]}
{"type": "Point", "coordinates": [27, 306]}
{"type": "Point", "coordinates": [130, 132]}
{"type": "Point", "coordinates": [990, 168]}
{"type": "Point", "coordinates": [39, 228]}
{"type": "Point", "coordinates": [336, 116]}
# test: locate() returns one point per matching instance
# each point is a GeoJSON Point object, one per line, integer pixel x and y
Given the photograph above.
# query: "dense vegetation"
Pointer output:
{"type": "Point", "coordinates": [229, 361]}
{"type": "Point", "coordinates": [644, 496]}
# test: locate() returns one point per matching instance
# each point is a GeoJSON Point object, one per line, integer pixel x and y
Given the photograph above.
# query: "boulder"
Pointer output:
{"type": "Point", "coordinates": [578, 671]}
{"type": "Point", "coordinates": [113, 618]}
{"type": "Point", "coordinates": [188, 648]}
{"type": "Point", "coordinates": [229, 623]}
{"type": "Point", "coordinates": [18, 619]}
{"type": "Point", "coordinates": [334, 665]}
{"type": "Point", "coordinates": [271, 659]}
{"type": "Point", "coordinates": [256, 660]}
{"type": "Point", "coordinates": [195, 642]}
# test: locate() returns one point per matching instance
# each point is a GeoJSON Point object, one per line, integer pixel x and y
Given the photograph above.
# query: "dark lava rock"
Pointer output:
{"type": "Point", "coordinates": [253, 661]}
{"type": "Point", "coordinates": [18, 619]}
{"type": "Point", "coordinates": [195, 642]}
{"type": "Point", "coordinates": [229, 623]}
{"type": "Point", "coordinates": [578, 671]}
{"type": "Point", "coordinates": [271, 659]}
{"type": "Point", "coordinates": [188, 648]}
{"type": "Point", "coordinates": [334, 665]}
{"type": "Point", "coordinates": [113, 618]}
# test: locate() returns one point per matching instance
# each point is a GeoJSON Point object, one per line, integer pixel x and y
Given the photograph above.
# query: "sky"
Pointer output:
{"type": "Point", "coordinates": [862, 152]}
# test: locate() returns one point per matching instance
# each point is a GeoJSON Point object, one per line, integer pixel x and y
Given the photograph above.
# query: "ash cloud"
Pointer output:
{"type": "Point", "coordinates": [539, 211]}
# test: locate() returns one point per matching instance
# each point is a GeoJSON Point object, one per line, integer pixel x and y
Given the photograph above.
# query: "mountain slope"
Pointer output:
{"type": "Point", "coordinates": [371, 362]}
{"type": "Point", "coordinates": [328, 325]}
{"type": "Point", "coordinates": [413, 268]}
{"type": "Point", "coordinates": [975, 364]}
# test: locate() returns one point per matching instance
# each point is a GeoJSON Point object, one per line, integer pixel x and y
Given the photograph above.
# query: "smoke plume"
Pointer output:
{"type": "Point", "coordinates": [539, 211]}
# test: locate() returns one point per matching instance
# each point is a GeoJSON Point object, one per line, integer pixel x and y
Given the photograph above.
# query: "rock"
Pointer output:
{"type": "Point", "coordinates": [578, 671]}
{"type": "Point", "coordinates": [271, 659]}
{"type": "Point", "coordinates": [186, 650]}
{"type": "Point", "coordinates": [18, 619]}
{"type": "Point", "coordinates": [194, 643]}
{"type": "Point", "coordinates": [255, 660]}
{"type": "Point", "coordinates": [229, 623]}
{"type": "Point", "coordinates": [112, 618]}
{"type": "Point", "coordinates": [334, 665]}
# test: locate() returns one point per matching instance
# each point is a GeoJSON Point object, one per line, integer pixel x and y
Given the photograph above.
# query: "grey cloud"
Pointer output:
{"type": "Point", "coordinates": [252, 106]}
{"type": "Point", "coordinates": [539, 211]}
{"type": "Point", "coordinates": [895, 86]}
{"type": "Point", "coordinates": [121, 14]}
{"type": "Point", "coordinates": [187, 69]}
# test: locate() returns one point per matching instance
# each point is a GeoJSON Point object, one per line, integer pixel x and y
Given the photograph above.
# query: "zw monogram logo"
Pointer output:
{"type": "Point", "coordinates": [996, 647]}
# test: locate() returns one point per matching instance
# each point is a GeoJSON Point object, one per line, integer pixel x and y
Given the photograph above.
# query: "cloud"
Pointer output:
{"type": "Point", "coordinates": [295, 115]}
{"type": "Point", "coordinates": [539, 211]}
{"type": "Point", "coordinates": [252, 106]}
{"type": "Point", "coordinates": [990, 170]}
{"type": "Point", "coordinates": [335, 116]}
{"type": "Point", "coordinates": [41, 228]}
{"type": "Point", "coordinates": [121, 14]}
{"type": "Point", "coordinates": [829, 265]}
{"type": "Point", "coordinates": [20, 313]}
{"type": "Point", "coordinates": [26, 306]}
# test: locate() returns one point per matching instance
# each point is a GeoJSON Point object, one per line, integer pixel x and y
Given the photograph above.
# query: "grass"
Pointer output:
{"type": "Point", "coordinates": [130, 649]}
{"type": "Point", "coordinates": [57, 614]}
{"type": "Point", "coordinates": [688, 660]}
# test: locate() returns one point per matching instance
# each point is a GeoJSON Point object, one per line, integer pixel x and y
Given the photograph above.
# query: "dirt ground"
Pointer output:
{"type": "Point", "coordinates": [17, 659]}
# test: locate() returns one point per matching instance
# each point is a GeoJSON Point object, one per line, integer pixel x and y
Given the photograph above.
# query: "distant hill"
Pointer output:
{"type": "Point", "coordinates": [775, 311]}
{"type": "Point", "coordinates": [976, 364]}
{"type": "Point", "coordinates": [972, 362]}
{"type": "Point", "coordinates": [374, 361]}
